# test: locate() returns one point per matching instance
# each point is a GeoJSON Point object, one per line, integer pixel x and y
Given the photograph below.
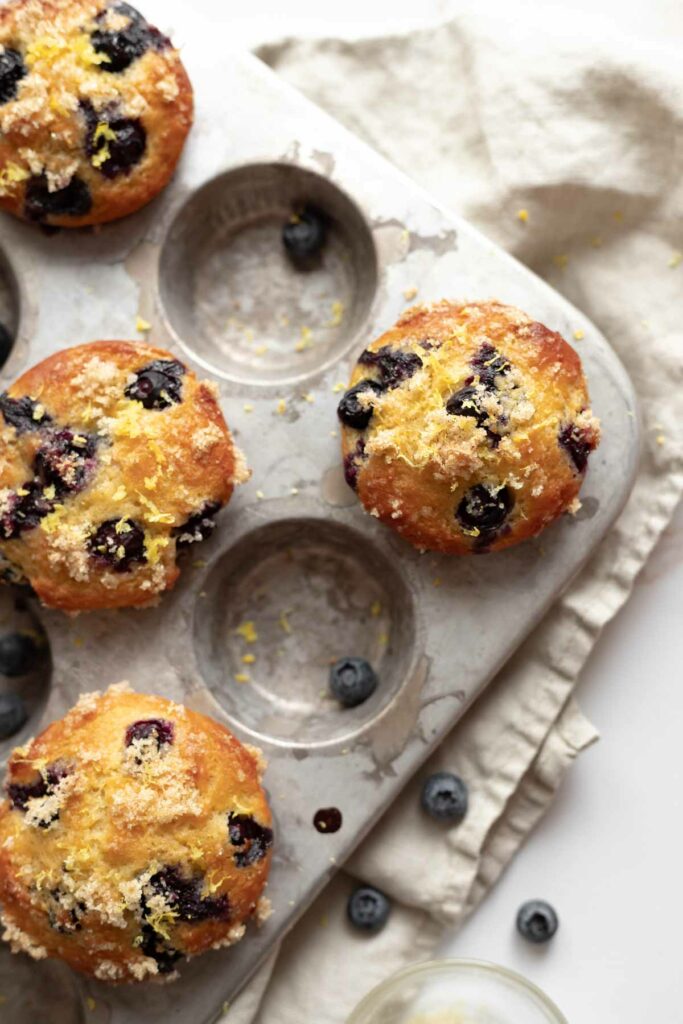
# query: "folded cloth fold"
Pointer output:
{"type": "Point", "coordinates": [563, 142]}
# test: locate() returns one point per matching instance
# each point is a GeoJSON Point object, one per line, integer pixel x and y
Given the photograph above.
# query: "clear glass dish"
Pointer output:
{"type": "Point", "coordinates": [456, 992]}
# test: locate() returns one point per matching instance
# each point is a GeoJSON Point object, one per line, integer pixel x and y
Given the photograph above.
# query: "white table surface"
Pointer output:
{"type": "Point", "coordinates": [608, 854]}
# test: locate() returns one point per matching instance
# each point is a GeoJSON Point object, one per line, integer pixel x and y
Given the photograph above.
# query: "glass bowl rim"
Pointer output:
{"type": "Point", "coordinates": [369, 1001]}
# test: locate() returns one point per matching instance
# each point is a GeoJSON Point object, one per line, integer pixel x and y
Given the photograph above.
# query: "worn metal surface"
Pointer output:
{"type": "Point", "coordinates": [294, 549]}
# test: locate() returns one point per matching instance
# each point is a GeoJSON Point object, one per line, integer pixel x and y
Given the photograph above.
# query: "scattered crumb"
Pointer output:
{"type": "Point", "coordinates": [618, 216]}
{"type": "Point", "coordinates": [660, 439]}
{"type": "Point", "coordinates": [409, 293]}
{"type": "Point", "coordinates": [383, 639]}
{"type": "Point", "coordinates": [294, 490]}
{"type": "Point", "coordinates": [339, 386]}
{"type": "Point", "coordinates": [247, 407]}
{"type": "Point", "coordinates": [199, 564]}
{"type": "Point", "coordinates": [142, 326]}
{"type": "Point", "coordinates": [91, 1004]}
{"type": "Point", "coordinates": [523, 215]}
{"type": "Point", "coordinates": [305, 341]}
{"type": "Point", "coordinates": [574, 507]}
{"type": "Point", "coordinates": [334, 433]}
{"type": "Point", "coordinates": [281, 407]}
{"type": "Point", "coordinates": [578, 335]}
{"type": "Point", "coordinates": [309, 397]}
{"type": "Point", "coordinates": [248, 632]}
{"type": "Point", "coordinates": [436, 582]}
{"type": "Point", "coordinates": [596, 241]}
{"type": "Point", "coordinates": [375, 608]}
{"type": "Point", "coordinates": [260, 495]}
{"type": "Point", "coordinates": [78, 641]}
{"type": "Point", "coordinates": [676, 260]}
{"type": "Point", "coordinates": [241, 677]}
{"type": "Point", "coordinates": [337, 313]}
{"type": "Point", "coordinates": [284, 622]}
{"type": "Point", "coordinates": [248, 659]}
{"type": "Point", "coordinates": [561, 260]}
{"type": "Point", "coordinates": [261, 350]}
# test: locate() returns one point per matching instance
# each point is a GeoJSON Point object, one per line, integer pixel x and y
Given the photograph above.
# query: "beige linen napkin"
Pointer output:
{"type": "Point", "coordinates": [583, 131]}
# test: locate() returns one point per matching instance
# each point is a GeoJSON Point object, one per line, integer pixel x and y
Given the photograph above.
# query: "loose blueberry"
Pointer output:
{"type": "Point", "coordinates": [467, 402]}
{"type": "Point", "coordinates": [245, 831]}
{"type": "Point", "coordinates": [489, 364]}
{"type": "Point", "coordinates": [327, 820]}
{"type": "Point", "coordinates": [12, 70]}
{"type": "Point", "coordinates": [18, 654]}
{"type": "Point", "coordinates": [25, 509]}
{"type": "Point", "coordinates": [23, 413]}
{"type": "Point", "coordinates": [127, 44]}
{"type": "Point", "coordinates": [12, 714]}
{"type": "Point", "coordinates": [577, 445]}
{"type": "Point", "coordinates": [118, 543]}
{"type": "Point", "coordinates": [6, 342]}
{"type": "Point", "coordinates": [183, 895]}
{"type": "Point", "coordinates": [157, 385]}
{"type": "Point", "coordinates": [352, 411]}
{"type": "Point", "coordinates": [65, 460]}
{"type": "Point", "coordinates": [198, 527]}
{"type": "Point", "coordinates": [74, 200]}
{"type": "Point", "coordinates": [303, 236]}
{"type": "Point", "coordinates": [352, 681]}
{"type": "Point", "coordinates": [537, 921]}
{"type": "Point", "coordinates": [123, 152]}
{"type": "Point", "coordinates": [368, 909]}
{"type": "Point", "coordinates": [20, 793]}
{"type": "Point", "coordinates": [485, 509]}
{"type": "Point", "coordinates": [444, 797]}
{"type": "Point", "coordinates": [154, 945]}
{"type": "Point", "coordinates": [395, 366]}
{"type": "Point", "coordinates": [160, 729]}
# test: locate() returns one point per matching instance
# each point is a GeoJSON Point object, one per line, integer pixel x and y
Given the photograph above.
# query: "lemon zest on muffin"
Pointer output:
{"type": "Point", "coordinates": [53, 520]}
{"type": "Point", "coordinates": [154, 546]}
{"type": "Point", "coordinates": [153, 514]}
{"type": "Point", "coordinates": [103, 153]}
{"type": "Point", "coordinates": [10, 175]}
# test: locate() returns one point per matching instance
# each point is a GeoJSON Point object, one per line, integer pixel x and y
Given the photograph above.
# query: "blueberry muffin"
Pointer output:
{"type": "Point", "coordinates": [134, 832]}
{"type": "Point", "coordinates": [95, 107]}
{"type": "Point", "coordinates": [467, 428]}
{"type": "Point", "coordinates": [113, 459]}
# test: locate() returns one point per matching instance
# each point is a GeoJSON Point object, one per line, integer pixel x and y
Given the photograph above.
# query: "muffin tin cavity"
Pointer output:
{"type": "Point", "coordinates": [25, 670]}
{"type": "Point", "coordinates": [234, 297]}
{"type": "Point", "coordinates": [9, 309]}
{"type": "Point", "coordinates": [282, 606]}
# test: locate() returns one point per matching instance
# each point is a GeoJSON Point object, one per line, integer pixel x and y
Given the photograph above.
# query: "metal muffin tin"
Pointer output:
{"type": "Point", "coordinates": [294, 553]}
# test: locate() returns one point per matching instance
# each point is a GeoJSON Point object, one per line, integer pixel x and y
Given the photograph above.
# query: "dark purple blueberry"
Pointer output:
{"type": "Point", "coordinates": [13, 714]}
{"type": "Point", "coordinates": [20, 793]}
{"type": "Point", "coordinates": [354, 413]}
{"type": "Point", "coordinates": [74, 200]}
{"type": "Point", "coordinates": [303, 236]}
{"type": "Point", "coordinates": [368, 909]}
{"type": "Point", "coordinates": [183, 895]}
{"type": "Point", "coordinates": [6, 342]}
{"type": "Point", "coordinates": [125, 45]}
{"type": "Point", "coordinates": [63, 916]}
{"type": "Point", "coordinates": [123, 152]}
{"type": "Point", "coordinates": [484, 508]}
{"type": "Point", "coordinates": [352, 681]}
{"type": "Point", "coordinates": [489, 364]}
{"type": "Point", "coordinates": [352, 463]}
{"type": "Point", "coordinates": [444, 797]}
{"type": "Point", "coordinates": [24, 414]}
{"type": "Point", "coordinates": [18, 654]}
{"type": "Point", "coordinates": [118, 543]}
{"type": "Point", "coordinates": [65, 460]}
{"type": "Point", "coordinates": [577, 444]}
{"type": "Point", "coordinates": [157, 385]}
{"type": "Point", "coordinates": [327, 820]}
{"type": "Point", "coordinates": [12, 70]}
{"type": "Point", "coordinates": [160, 729]}
{"type": "Point", "coordinates": [537, 921]}
{"type": "Point", "coordinates": [245, 831]}
{"type": "Point", "coordinates": [395, 366]}
{"type": "Point", "coordinates": [467, 402]}
{"type": "Point", "coordinates": [198, 527]}
{"type": "Point", "coordinates": [26, 507]}
{"type": "Point", "coordinates": [154, 945]}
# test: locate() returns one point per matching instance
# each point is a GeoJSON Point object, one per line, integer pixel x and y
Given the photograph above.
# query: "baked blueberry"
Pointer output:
{"type": "Point", "coordinates": [244, 831]}
{"type": "Point", "coordinates": [118, 543]}
{"type": "Point", "coordinates": [198, 527]}
{"type": "Point", "coordinates": [353, 411]}
{"type": "Point", "coordinates": [395, 366]}
{"type": "Point", "coordinates": [577, 444]}
{"type": "Point", "coordinates": [18, 654]}
{"type": "Point", "coordinates": [6, 342]}
{"type": "Point", "coordinates": [352, 681]}
{"type": "Point", "coordinates": [74, 200]}
{"type": "Point", "coordinates": [115, 146]}
{"type": "Point", "coordinates": [157, 385]}
{"type": "Point", "coordinates": [467, 402]}
{"type": "Point", "coordinates": [484, 509]}
{"type": "Point", "coordinates": [352, 463]}
{"type": "Point", "coordinates": [125, 45]}
{"type": "Point", "coordinates": [303, 236]}
{"type": "Point", "coordinates": [537, 921]}
{"type": "Point", "coordinates": [368, 909]}
{"type": "Point", "coordinates": [13, 714]}
{"type": "Point", "coordinates": [183, 895]}
{"type": "Point", "coordinates": [20, 793]}
{"type": "Point", "coordinates": [489, 364]}
{"type": "Point", "coordinates": [24, 414]}
{"type": "Point", "coordinates": [12, 70]}
{"type": "Point", "coordinates": [63, 915]}
{"type": "Point", "coordinates": [154, 945]}
{"type": "Point", "coordinates": [65, 460]}
{"type": "Point", "coordinates": [159, 729]}
{"type": "Point", "coordinates": [25, 508]}
{"type": "Point", "coordinates": [444, 797]}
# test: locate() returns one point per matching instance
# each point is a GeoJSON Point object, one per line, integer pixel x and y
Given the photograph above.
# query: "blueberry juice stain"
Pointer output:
{"type": "Point", "coordinates": [327, 819]}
